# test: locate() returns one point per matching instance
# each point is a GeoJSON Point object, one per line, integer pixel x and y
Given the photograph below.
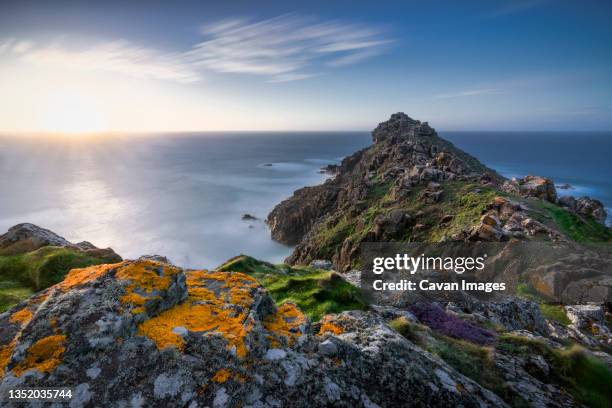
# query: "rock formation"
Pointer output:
{"type": "Point", "coordinates": [150, 334]}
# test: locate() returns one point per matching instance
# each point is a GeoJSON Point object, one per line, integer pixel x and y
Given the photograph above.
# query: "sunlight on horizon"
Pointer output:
{"type": "Point", "coordinates": [72, 113]}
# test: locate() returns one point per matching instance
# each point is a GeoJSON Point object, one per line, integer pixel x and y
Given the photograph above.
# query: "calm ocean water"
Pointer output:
{"type": "Point", "coordinates": [183, 195]}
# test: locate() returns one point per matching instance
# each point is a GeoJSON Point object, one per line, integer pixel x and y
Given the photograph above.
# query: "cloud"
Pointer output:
{"type": "Point", "coordinates": [473, 92]}
{"type": "Point", "coordinates": [287, 46]}
{"type": "Point", "coordinates": [514, 6]}
{"type": "Point", "coordinates": [119, 57]}
{"type": "Point", "coordinates": [281, 49]}
{"type": "Point", "coordinates": [15, 47]}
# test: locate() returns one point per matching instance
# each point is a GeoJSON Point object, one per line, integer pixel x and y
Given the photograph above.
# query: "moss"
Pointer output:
{"type": "Point", "coordinates": [249, 265]}
{"type": "Point", "coordinates": [23, 274]}
{"type": "Point", "coordinates": [315, 292]}
{"type": "Point", "coordinates": [555, 313]}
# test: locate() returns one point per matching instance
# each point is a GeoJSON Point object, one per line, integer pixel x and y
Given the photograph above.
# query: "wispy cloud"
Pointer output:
{"type": "Point", "coordinates": [514, 6]}
{"type": "Point", "coordinates": [288, 46]}
{"type": "Point", "coordinates": [472, 92]}
{"type": "Point", "coordinates": [281, 49]}
{"type": "Point", "coordinates": [119, 57]}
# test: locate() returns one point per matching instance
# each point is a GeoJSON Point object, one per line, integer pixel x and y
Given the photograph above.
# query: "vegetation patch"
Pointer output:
{"type": "Point", "coordinates": [555, 313]}
{"type": "Point", "coordinates": [576, 228]}
{"type": "Point", "coordinates": [22, 275]}
{"type": "Point", "coordinates": [446, 324]}
{"type": "Point", "coordinates": [587, 378]}
{"type": "Point", "coordinates": [316, 292]}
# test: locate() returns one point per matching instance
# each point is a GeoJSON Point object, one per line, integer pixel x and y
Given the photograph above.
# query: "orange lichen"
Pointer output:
{"type": "Point", "coordinates": [5, 356]}
{"type": "Point", "coordinates": [145, 277]}
{"type": "Point", "coordinates": [327, 326]}
{"type": "Point", "coordinates": [205, 311]}
{"type": "Point", "coordinates": [44, 355]}
{"type": "Point", "coordinates": [222, 375]}
{"type": "Point", "coordinates": [22, 317]}
{"type": "Point", "coordinates": [80, 276]}
{"type": "Point", "coordinates": [284, 324]}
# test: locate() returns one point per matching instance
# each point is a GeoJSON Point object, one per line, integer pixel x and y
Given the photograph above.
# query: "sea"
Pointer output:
{"type": "Point", "coordinates": [183, 195]}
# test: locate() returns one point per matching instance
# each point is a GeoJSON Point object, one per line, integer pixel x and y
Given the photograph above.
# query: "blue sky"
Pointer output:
{"type": "Point", "coordinates": [342, 65]}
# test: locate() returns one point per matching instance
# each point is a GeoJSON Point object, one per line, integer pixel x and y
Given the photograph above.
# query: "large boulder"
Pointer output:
{"type": "Point", "coordinates": [28, 237]}
{"type": "Point", "coordinates": [590, 207]}
{"type": "Point", "coordinates": [146, 333]}
{"type": "Point", "coordinates": [532, 186]}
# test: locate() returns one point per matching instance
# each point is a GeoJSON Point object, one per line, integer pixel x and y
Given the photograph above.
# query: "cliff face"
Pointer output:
{"type": "Point", "coordinates": [413, 186]}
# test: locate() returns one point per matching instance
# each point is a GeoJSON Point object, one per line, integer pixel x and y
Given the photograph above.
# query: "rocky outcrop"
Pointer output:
{"type": "Point", "coordinates": [150, 334]}
{"type": "Point", "coordinates": [532, 186]}
{"type": "Point", "coordinates": [585, 207]}
{"type": "Point", "coordinates": [406, 154]}
{"type": "Point", "coordinates": [28, 237]}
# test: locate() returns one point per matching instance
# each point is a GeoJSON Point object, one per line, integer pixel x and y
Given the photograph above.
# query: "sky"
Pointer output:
{"type": "Point", "coordinates": [151, 66]}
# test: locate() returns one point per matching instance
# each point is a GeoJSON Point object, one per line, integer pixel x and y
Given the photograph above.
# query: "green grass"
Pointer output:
{"type": "Point", "coordinates": [585, 377]}
{"type": "Point", "coordinates": [22, 275]}
{"type": "Point", "coordinates": [315, 292]}
{"type": "Point", "coordinates": [331, 237]}
{"type": "Point", "coordinates": [465, 205]}
{"type": "Point", "coordinates": [555, 313]}
{"type": "Point", "coordinates": [550, 311]}
{"type": "Point", "coordinates": [475, 362]}
{"type": "Point", "coordinates": [577, 229]}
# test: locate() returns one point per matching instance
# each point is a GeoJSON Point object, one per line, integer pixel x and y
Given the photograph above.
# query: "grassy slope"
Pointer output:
{"type": "Point", "coordinates": [22, 275]}
{"type": "Point", "coordinates": [315, 292]}
{"type": "Point", "coordinates": [571, 367]}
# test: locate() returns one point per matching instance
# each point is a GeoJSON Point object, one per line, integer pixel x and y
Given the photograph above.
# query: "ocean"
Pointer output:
{"type": "Point", "coordinates": [183, 195]}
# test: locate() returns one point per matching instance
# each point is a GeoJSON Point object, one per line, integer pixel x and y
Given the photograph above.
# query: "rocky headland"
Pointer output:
{"type": "Point", "coordinates": [145, 332]}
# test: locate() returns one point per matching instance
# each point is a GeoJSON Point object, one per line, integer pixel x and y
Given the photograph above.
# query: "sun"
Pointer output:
{"type": "Point", "coordinates": [71, 112]}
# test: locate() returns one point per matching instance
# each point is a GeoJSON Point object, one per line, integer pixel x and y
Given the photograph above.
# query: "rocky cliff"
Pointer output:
{"type": "Point", "coordinates": [413, 186]}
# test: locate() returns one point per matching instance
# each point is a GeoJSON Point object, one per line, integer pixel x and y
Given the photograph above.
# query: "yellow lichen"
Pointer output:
{"type": "Point", "coordinates": [44, 355]}
{"type": "Point", "coordinates": [22, 317]}
{"type": "Point", "coordinates": [6, 352]}
{"type": "Point", "coordinates": [284, 324]}
{"type": "Point", "coordinates": [204, 311]}
{"type": "Point", "coordinates": [222, 375]}
{"type": "Point", "coordinates": [327, 326]}
{"type": "Point", "coordinates": [145, 277]}
{"type": "Point", "coordinates": [80, 276]}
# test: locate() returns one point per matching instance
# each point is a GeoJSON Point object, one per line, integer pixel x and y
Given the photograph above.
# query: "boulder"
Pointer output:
{"type": "Point", "coordinates": [150, 334]}
{"type": "Point", "coordinates": [590, 207]}
{"type": "Point", "coordinates": [532, 186]}
{"type": "Point", "coordinates": [28, 237]}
